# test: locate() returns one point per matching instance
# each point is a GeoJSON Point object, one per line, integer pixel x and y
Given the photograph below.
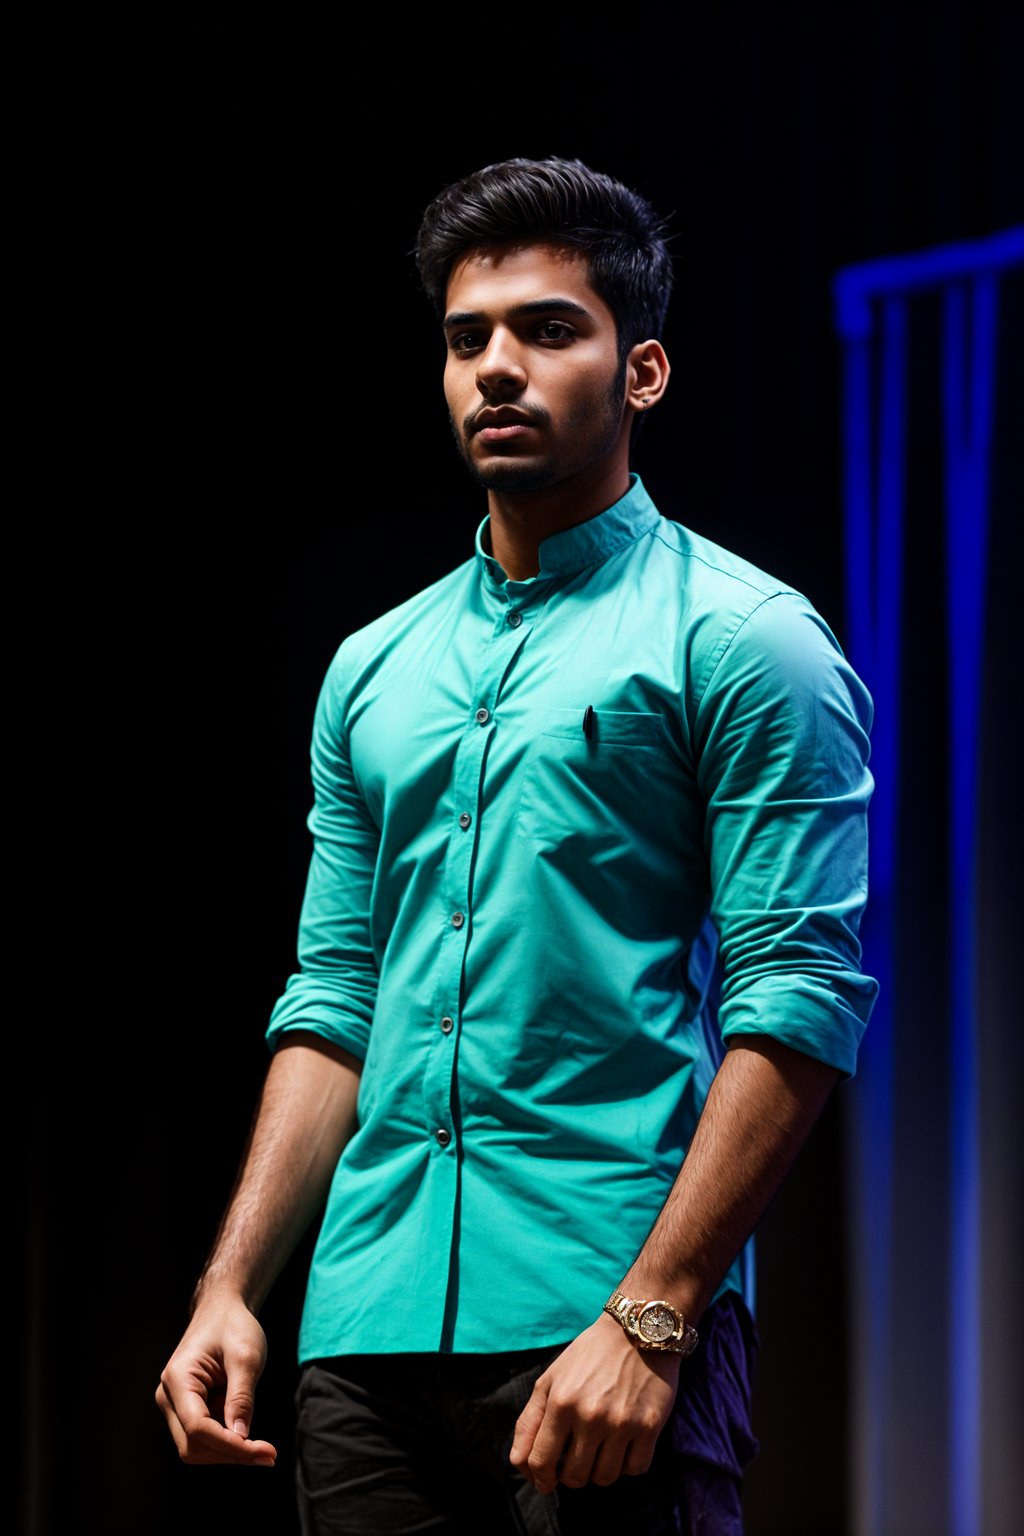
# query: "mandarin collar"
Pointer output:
{"type": "Point", "coordinates": [591, 543]}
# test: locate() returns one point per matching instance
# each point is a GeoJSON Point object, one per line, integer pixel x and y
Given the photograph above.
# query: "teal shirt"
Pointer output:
{"type": "Point", "coordinates": [569, 834]}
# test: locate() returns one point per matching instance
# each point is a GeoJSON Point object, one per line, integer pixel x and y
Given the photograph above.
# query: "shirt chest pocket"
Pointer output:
{"type": "Point", "coordinates": [599, 786]}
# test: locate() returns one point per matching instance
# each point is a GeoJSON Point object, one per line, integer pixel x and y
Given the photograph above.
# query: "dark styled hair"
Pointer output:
{"type": "Point", "coordinates": [566, 203]}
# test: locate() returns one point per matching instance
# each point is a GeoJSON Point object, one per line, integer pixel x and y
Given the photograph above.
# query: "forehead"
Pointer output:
{"type": "Point", "coordinates": [495, 277]}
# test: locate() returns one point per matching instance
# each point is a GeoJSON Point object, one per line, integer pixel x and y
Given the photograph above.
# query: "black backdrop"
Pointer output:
{"type": "Point", "coordinates": [254, 459]}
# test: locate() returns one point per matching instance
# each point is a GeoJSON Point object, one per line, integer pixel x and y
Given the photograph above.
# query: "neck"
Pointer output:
{"type": "Point", "coordinates": [520, 521]}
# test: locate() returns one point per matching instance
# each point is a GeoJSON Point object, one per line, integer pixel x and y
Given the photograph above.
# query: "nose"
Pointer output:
{"type": "Point", "coordinates": [500, 371]}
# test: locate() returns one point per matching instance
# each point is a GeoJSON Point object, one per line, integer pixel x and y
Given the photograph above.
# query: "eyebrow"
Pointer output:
{"type": "Point", "coordinates": [533, 307]}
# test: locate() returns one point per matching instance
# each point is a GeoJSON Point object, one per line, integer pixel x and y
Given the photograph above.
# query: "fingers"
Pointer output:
{"type": "Point", "coordinates": [638, 1457]}
{"type": "Point", "coordinates": [238, 1406]}
{"type": "Point", "coordinates": [543, 1465]}
{"type": "Point", "coordinates": [577, 1460]}
{"type": "Point", "coordinates": [553, 1444]}
{"type": "Point", "coordinates": [527, 1425]}
{"type": "Point", "coordinates": [595, 1414]}
{"type": "Point", "coordinates": [207, 1399]}
{"type": "Point", "coordinates": [576, 1452]}
{"type": "Point", "coordinates": [540, 1437]}
{"type": "Point", "coordinates": [609, 1463]}
{"type": "Point", "coordinates": [201, 1441]}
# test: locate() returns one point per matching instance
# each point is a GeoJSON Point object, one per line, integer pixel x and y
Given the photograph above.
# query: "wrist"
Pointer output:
{"type": "Point", "coordinates": [652, 1324]}
{"type": "Point", "coordinates": [217, 1290]}
{"type": "Point", "coordinates": [685, 1292]}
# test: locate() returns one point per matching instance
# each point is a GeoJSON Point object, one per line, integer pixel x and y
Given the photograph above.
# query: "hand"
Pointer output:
{"type": "Point", "coordinates": [596, 1412]}
{"type": "Point", "coordinates": [207, 1388]}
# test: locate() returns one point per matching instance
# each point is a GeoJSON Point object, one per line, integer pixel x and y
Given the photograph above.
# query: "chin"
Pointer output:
{"type": "Point", "coordinates": [501, 478]}
{"type": "Point", "coordinates": [512, 475]}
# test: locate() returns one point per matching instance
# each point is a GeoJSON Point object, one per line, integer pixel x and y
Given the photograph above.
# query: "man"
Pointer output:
{"type": "Point", "coordinates": [578, 956]}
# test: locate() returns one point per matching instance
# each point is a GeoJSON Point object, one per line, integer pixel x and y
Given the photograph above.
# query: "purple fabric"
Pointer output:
{"type": "Point", "coordinates": [712, 1414]}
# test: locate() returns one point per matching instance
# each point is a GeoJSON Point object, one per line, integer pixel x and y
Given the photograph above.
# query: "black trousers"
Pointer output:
{"type": "Point", "coordinates": [418, 1445]}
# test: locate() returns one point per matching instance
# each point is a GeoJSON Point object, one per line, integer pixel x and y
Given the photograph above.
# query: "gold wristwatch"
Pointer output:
{"type": "Point", "coordinates": [652, 1324]}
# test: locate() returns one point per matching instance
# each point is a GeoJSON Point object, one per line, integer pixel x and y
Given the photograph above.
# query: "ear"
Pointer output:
{"type": "Point", "coordinates": [647, 371]}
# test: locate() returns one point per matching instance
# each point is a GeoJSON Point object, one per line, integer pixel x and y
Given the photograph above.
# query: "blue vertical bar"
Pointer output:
{"type": "Point", "coordinates": [968, 431]}
{"type": "Point", "coordinates": [887, 586]}
{"type": "Point", "coordinates": [874, 588]}
{"type": "Point", "coordinates": [858, 528]}
{"type": "Point", "coordinates": [859, 623]}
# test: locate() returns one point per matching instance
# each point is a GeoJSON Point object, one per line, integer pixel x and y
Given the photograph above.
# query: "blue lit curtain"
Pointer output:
{"type": "Point", "coordinates": [933, 422]}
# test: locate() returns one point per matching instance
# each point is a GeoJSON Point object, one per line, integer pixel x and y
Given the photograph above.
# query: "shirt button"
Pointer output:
{"type": "Point", "coordinates": [513, 620]}
{"type": "Point", "coordinates": [447, 1025]}
{"type": "Point", "coordinates": [464, 820]}
{"type": "Point", "coordinates": [443, 1138]}
{"type": "Point", "coordinates": [458, 918]}
{"type": "Point", "coordinates": [483, 715]}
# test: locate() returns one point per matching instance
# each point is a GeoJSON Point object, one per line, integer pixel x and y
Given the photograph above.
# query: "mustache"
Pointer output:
{"type": "Point", "coordinates": [535, 413]}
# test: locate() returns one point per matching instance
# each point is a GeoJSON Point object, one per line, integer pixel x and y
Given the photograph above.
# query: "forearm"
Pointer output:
{"type": "Point", "coordinates": [760, 1108]}
{"type": "Point", "coordinates": [305, 1116]}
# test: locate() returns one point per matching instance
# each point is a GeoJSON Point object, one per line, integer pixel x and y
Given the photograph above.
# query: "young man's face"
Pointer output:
{"type": "Point", "coordinates": [532, 378]}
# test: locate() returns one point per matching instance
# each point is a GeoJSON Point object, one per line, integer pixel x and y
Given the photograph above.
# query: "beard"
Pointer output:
{"type": "Point", "coordinates": [594, 427]}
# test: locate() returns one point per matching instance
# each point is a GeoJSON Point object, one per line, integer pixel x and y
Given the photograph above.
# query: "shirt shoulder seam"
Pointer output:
{"type": "Point", "coordinates": [728, 639]}
{"type": "Point", "coordinates": [720, 570]}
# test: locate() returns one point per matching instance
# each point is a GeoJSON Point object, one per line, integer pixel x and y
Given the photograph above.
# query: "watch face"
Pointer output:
{"type": "Point", "coordinates": [657, 1322]}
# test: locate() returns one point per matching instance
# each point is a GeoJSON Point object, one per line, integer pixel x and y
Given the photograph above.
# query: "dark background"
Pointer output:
{"type": "Point", "coordinates": [250, 457]}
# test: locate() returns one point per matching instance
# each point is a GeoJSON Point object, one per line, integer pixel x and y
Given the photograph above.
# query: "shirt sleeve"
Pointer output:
{"type": "Point", "coordinates": [334, 990]}
{"type": "Point", "coordinates": [782, 733]}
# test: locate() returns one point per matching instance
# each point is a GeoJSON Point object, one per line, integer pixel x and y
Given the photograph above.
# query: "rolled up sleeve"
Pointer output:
{"type": "Point", "coordinates": [782, 732]}
{"type": "Point", "coordinates": [334, 990]}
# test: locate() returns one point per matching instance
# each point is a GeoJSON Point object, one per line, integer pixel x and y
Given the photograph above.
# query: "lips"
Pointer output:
{"type": "Point", "coordinates": [501, 421]}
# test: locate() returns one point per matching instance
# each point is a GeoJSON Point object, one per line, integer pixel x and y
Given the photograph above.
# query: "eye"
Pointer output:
{"type": "Point", "coordinates": [465, 342]}
{"type": "Point", "coordinates": [555, 330]}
